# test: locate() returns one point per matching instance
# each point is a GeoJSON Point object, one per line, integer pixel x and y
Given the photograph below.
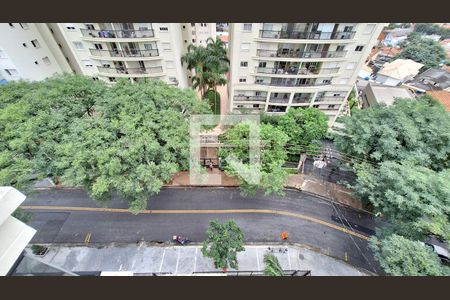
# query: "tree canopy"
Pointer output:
{"type": "Point", "coordinates": [272, 158]}
{"type": "Point", "coordinates": [223, 243]}
{"type": "Point", "coordinates": [423, 50]}
{"type": "Point", "coordinates": [417, 131]}
{"type": "Point", "coordinates": [400, 256]}
{"type": "Point", "coordinates": [136, 140]}
{"type": "Point", "coordinates": [430, 28]}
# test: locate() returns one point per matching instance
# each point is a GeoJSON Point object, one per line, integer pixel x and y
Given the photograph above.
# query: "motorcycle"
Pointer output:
{"type": "Point", "coordinates": [180, 240]}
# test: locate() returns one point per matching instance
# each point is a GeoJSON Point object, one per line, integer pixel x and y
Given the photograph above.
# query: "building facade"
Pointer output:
{"type": "Point", "coordinates": [278, 66]}
{"type": "Point", "coordinates": [29, 52]}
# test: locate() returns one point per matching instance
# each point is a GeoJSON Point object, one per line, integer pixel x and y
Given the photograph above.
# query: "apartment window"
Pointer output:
{"type": "Point", "coordinates": [331, 106]}
{"type": "Point", "coordinates": [163, 28]}
{"type": "Point", "coordinates": [166, 46]}
{"type": "Point", "coordinates": [69, 26]}
{"type": "Point", "coordinates": [340, 48]}
{"type": "Point", "coordinates": [94, 78]}
{"type": "Point", "coordinates": [11, 25]}
{"type": "Point", "coordinates": [326, 81]}
{"type": "Point", "coordinates": [35, 43]}
{"type": "Point", "coordinates": [255, 105]}
{"type": "Point", "coordinates": [348, 28]}
{"type": "Point", "coordinates": [359, 48]}
{"type": "Point", "coordinates": [184, 27]}
{"type": "Point", "coordinates": [98, 46]}
{"type": "Point", "coordinates": [170, 64]}
{"type": "Point", "coordinates": [68, 60]}
{"type": "Point", "coordinates": [24, 45]}
{"type": "Point", "coordinates": [242, 79]}
{"type": "Point", "coordinates": [193, 40]}
{"type": "Point", "coordinates": [185, 41]}
{"type": "Point", "coordinates": [87, 63]}
{"type": "Point", "coordinates": [60, 46]}
{"type": "Point", "coordinates": [78, 45]}
{"type": "Point", "coordinates": [193, 24]}
{"type": "Point", "coordinates": [11, 72]}
{"type": "Point", "coordinates": [36, 62]}
{"type": "Point", "coordinates": [351, 66]}
{"type": "Point", "coordinates": [148, 46]}
{"type": "Point", "coordinates": [369, 28]}
{"type": "Point", "coordinates": [112, 79]}
{"type": "Point", "coordinates": [51, 30]}
{"type": "Point", "coordinates": [244, 64]}
{"type": "Point", "coordinates": [262, 64]}
{"type": "Point", "coordinates": [316, 105]}
{"type": "Point", "coordinates": [259, 80]}
{"type": "Point", "coordinates": [245, 46]}
{"type": "Point", "coordinates": [46, 60]}
{"type": "Point", "coordinates": [90, 26]}
{"type": "Point", "coordinates": [24, 26]}
{"type": "Point", "coordinates": [247, 27]}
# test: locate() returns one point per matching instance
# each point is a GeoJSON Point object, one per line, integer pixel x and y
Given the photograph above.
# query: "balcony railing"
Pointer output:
{"type": "Point", "coordinates": [300, 54]}
{"type": "Point", "coordinates": [147, 70]}
{"type": "Point", "coordinates": [309, 35]}
{"type": "Point", "coordinates": [279, 100]}
{"type": "Point", "coordinates": [301, 99]}
{"type": "Point", "coordinates": [125, 53]}
{"type": "Point", "coordinates": [329, 98]}
{"type": "Point", "coordinates": [249, 98]}
{"type": "Point", "coordinates": [111, 34]}
{"type": "Point", "coordinates": [297, 71]}
{"type": "Point", "coordinates": [292, 83]}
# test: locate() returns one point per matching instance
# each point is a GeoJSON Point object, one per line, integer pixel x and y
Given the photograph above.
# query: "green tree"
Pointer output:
{"type": "Point", "coordinates": [399, 256]}
{"type": "Point", "coordinates": [272, 266]}
{"type": "Point", "coordinates": [223, 243]}
{"type": "Point", "coordinates": [415, 199]}
{"type": "Point", "coordinates": [430, 28]}
{"type": "Point", "coordinates": [34, 118]}
{"type": "Point", "coordinates": [134, 143]}
{"type": "Point", "coordinates": [417, 131]}
{"type": "Point", "coordinates": [423, 50]}
{"type": "Point", "coordinates": [272, 157]}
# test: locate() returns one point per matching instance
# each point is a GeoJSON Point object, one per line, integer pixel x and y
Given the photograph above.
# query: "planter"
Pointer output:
{"type": "Point", "coordinates": [39, 250]}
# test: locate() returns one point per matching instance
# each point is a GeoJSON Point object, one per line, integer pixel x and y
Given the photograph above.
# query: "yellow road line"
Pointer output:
{"type": "Point", "coordinates": [202, 211]}
{"type": "Point", "coordinates": [87, 238]}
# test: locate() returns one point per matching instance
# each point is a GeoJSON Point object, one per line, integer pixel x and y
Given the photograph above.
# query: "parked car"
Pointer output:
{"type": "Point", "coordinates": [443, 253]}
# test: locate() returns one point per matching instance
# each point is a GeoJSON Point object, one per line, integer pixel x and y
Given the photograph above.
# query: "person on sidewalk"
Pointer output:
{"type": "Point", "coordinates": [284, 235]}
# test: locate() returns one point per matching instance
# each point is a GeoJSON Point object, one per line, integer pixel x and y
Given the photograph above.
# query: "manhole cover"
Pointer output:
{"type": "Point", "coordinates": [301, 256]}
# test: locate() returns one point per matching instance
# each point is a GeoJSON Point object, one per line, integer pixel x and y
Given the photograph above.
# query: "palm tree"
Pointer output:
{"type": "Point", "coordinates": [272, 266]}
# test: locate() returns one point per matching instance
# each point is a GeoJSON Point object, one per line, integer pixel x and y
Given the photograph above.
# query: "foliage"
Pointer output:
{"type": "Point", "coordinates": [415, 199]}
{"type": "Point", "coordinates": [430, 28]}
{"type": "Point", "coordinates": [22, 215]}
{"type": "Point", "coordinates": [214, 101]}
{"type": "Point", "coordinates": [423, 50]}
{"type": "Point", "coordinates": [417, 131]}
{"type": "Point", "coordinates": [34, 117]}
{"type": "Point", "coordinates": [209, 63]}
{"type": "Point", "coordinates": [272, 157]}
{"type": "Point", "coordinates": [272, 266]}
{"type": "Point", "coordinates": [38, 249]}
{"type": "Point", "coordinates": [223, 243]}
{"type": "Point", "coordinates": [400, 256]}
{"type": "Point", "coordinates": [136, 141]}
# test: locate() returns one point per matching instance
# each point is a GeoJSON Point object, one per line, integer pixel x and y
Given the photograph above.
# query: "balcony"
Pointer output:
{"type": "Point", "coordinates": [329, 98]}
{"type": "Point", "coordinates": [308, 35]}
{"type": "Point", "coordinates": [297, 71]}
{"type": "Point", "coordinates": [249, 98]}
{"type": "Point", "coordinates": [113, 34]}
{"type": "Point", "coordinates": [299, 100]}
{"type": "Point", "coordinates": [122, 53]}
{"type": "Point", "coordinates": [279, 100]}
{"type": "Point", "coordinates": [292, 82]}
{"type": "Point", "coordinates": [131, 71]}
{"type": "Point", "coordinates": [300, 54]}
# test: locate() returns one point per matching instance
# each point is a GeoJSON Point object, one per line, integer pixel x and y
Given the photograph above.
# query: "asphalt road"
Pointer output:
{"type": "Point", "coordinates": [322, 224]}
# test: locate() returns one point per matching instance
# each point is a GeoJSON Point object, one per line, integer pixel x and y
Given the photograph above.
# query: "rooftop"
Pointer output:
{"type": "Point", "coordinates": [432, 79]}
{"type": "Point", "coordinates": [401, 69]}
{"type": "Point", "coordinates": [388, 94]}
{"type": "Point", "coordinates": [441, 96]}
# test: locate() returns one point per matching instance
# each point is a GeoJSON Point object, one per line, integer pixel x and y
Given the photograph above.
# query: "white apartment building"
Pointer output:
{"type": "Point", "coordinates": [198, 33]}
{"type": "Point", "coordinates": [278, 66]}
{"type": "Point", "coordinates": [29, 52]}
{"type": "Point", "coordinates": [108, 51]}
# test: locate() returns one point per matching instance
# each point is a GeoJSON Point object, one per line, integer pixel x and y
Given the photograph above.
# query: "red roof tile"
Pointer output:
{"type": "Point", "coordinates": [441, 96]}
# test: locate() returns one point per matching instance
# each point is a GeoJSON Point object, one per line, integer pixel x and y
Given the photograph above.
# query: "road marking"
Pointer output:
{"type": "Point", "coordinates": [201, 211]}
{"type": "Point", "coordinates": [87, 238]}
{"type": "Point", "coordinates": [162, 260]}
{"type": "Point", "coordinates": [289, 259]}
{"type": "Point", "coordinates": [195, 259]}
{"type": "Point", "coordinates": [257, 259]}
{"type": "Point", "coordinates": [178, 258]}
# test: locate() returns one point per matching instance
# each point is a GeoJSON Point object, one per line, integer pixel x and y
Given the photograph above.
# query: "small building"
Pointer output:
{"type": "Point", "coordinates": [398, 71]}
{"type": "Point", "coordinates": [443, 97]}
{"type": "Point", "coordinates": [382, 94]}
{"type": "Point", "coordinates": [433, 79]}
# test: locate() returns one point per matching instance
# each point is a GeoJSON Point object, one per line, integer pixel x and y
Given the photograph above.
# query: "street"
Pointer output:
{"type": "Point", "coordinates": [72, 217]}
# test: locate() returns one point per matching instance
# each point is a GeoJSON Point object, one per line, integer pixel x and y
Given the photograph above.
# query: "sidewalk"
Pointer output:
{"type": "Point", "coordinates": [300, 182]}
{"type": "Point", "coordinates": [145, 259]}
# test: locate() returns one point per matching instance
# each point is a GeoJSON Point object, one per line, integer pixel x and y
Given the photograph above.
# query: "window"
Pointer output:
{"type": "Point", "coordinates": [259, 80]}
{"type": "Point", "coordinates": [69, 26]}
{"type": "Point", "coordinates": [60, 46]}
{"type": "Point", "coordinates": [184, 27]}
{"type": "Point", "coordinates": [316, 106]}
{"type": "Point", "coordinates": [170, 64]}
{"type": "Point", "coordinates": [166, 46]}
{"type": "Point", "coordinates": [193, 24]}
{"type": "Point", "coordinates": [87, 62]}
{"type": "Point", "coordinates": [185, 41]}
{"type": "Point", "coordinates": [326, 81]}
{"type": "Point", "coordinates": [256, 105]}
{"type": "Point", "coordinates": [94, 78]}
{"type": "Point", "coordinates": [98, 46]}
{"type": "Point", "coordinates": [244, 64]}
{"type": "Point", "coordinates": [262, 64]}
{"type": "Point", "coordinates": [351, 66]}
{"type": "Point", "coordinates": [78, 45]}
{"type": "Point", "coordinates": [68, 60]}
{"type": "Point", "coordinates": [112, 79]}
{"type": "Point", "coordinates": [35, 43]}
{"type": "Point", "coordinates": [36, 62]}
{"type": "Point", "coordinates": [242, 79]}
{"type": "Point", "coordinates": [359, 48]}
{"type": "Point", "coordinates": [369, 28]}
{"type": "Point", "coordinates": [11, 72]}
{"type": "Point", "coordinates": [331, 106]}
{"type": "Point", "coordinates": [90, 26]}
{"type": "Point", "coordinates": [46, 60]}
{"type": "Point", "coordinates": [348, 28]}
{"type": "Point", "coordinates": [163, 28]}
{"type": "Point", "coordinates": [245, 46]}
{"type": "Point", "coordinates": [148, 46]}
{"type": "Point", "coordinates": [11, 25]}
{"type": "Point", "coordinates": [24, 45]}
{"type": "Point", "coordinates": [340, 48]}
{"type": "Point", "coordinates": [193, 40]}
{"type": "Point", "coordinates": [51, 30]}
{"type": "Point", "coordinates": [24, 26]}
{"type": "Point", "coordinates": [247, 27]}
